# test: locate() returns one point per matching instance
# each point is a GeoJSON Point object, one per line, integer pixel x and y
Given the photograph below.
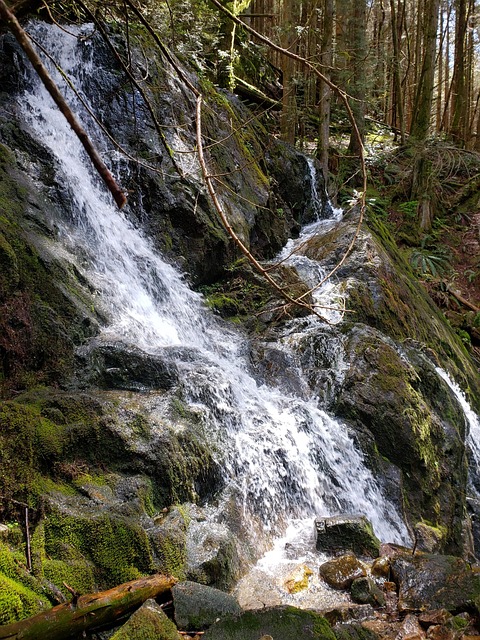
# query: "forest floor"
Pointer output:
{"type": "Point", "coordinates": [446, 258]}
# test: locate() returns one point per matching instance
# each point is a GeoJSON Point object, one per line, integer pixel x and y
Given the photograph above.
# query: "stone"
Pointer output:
{"type": "Point", "coordinates": [410, 629]}
{"type": "Point", "coordinates": [348, 613]}
{"type": "Point", "coordinates": [340, 572]}
{"type": "Point", "coordinates": [281, 623]}
{"type": "Point", "coordinates": [198, 606]}
{"type": "Point", "coordinates": [346, 533]}
{"type": "Point", "coordinates": [212, 555]}
{"type": "Point", "coordinates": [117, 366]}
{"type": "Point", "coordinates": [428, 538]}
{"type": "Point", "coordinates": [435, 617]}
{"type": "Point", "coordinates": [429, 581]}
{"type": "Point", "coordinates": [149, 622]}
{"type": "Point", "coordinates": [365, 591]}
{"type": "Point", "coordinates": [386, 630]}
{"type": "Point", "coordinates": [441, 632]}
{"type": "Point", "coordinates": [298, 579]}
{"type": "Point", "coordinates": [381, 567]}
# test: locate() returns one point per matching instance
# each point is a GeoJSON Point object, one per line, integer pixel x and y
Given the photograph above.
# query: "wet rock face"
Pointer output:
{"type": "Point", "coordinates": [428, 581]}
{"type": "Point", "coordinates": [117, 366]}
{"type": "Point", "coordinates": [415, 423]}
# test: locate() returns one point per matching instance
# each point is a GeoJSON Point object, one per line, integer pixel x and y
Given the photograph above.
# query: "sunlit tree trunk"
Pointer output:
{"type": "Point", "coordinates": [424, 93]}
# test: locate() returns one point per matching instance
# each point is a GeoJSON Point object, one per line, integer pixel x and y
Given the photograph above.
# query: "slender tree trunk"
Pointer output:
{"type": "Point", "coordinates": [358, 88]}
{"type": "Point", "coordinates": [459, 80]}
{"type": "Point", "coordinates": [289, 116]}
{"type": "Point", "coordinates": [397, 102]}
{"type": "Point", "coordinates": [326, 60]}
{"type": "Point", "coordinates": [424, 93]}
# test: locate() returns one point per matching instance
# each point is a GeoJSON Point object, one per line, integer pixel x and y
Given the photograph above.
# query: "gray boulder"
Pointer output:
{"type": "Point", "coordinates": [198, 606]}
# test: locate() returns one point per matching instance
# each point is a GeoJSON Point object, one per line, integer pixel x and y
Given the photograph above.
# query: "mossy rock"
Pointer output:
{"type": "Point", "coordinates": [416, 425]}
{"type": "Point", "coordinates": [169, 541]}
{"type": "Point", "coordinates": [17, 601]}
{"type": "Point", "coordinates": [198, 606]}
{"type": "Point", "coordinates": [282, 623]}
{"type": "Point", "coordinates": [148, 623]}
{"type": "Point", "coordinates": [116, 547]}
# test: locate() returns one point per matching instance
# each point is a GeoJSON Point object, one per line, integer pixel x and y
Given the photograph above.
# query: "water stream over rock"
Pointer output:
{"type": "Point", "coordinates": [283, 456]}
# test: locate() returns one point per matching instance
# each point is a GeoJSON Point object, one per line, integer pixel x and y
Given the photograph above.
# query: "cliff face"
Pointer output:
{"type": "Point", "coordinates": [99, 436]}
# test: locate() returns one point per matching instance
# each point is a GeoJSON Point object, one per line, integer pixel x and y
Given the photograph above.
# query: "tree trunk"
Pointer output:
{"type": "Point", "coordinates": [326, 60]}
{"type": "Point", "coordinates": [398, 119]}
{"type": "Point", "coordinates": [459, 82]}
{"type": "Point", "coordinates": [424, 93]}
{"type": "Point", "coordinates": [357, 87]}
{"type": "Point", "coordinates": [88, 612]}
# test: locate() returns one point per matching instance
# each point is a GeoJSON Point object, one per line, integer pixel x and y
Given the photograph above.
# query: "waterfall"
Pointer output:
{"type": "Point", "coordinates": [473, 432]}
{"type": "Point", "coordinates": [283, 456]}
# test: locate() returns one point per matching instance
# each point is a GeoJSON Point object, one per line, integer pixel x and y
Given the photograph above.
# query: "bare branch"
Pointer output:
{"type": "Point", "coordinates": [23, 40]}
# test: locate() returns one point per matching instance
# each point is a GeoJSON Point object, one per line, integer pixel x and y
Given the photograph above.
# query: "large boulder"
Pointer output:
{"type": "Point", "coordinates": [280, 623]}
{"type": "Point", "coordinates": [430, 581]}
{"type": "Point", "coordinates": [346, 533]}
{"type": "Point", "coordinates": [198, 606]}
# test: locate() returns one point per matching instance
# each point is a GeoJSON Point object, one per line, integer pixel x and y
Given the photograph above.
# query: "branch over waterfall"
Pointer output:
{"type": "Point", "coordinates": [24, 41]}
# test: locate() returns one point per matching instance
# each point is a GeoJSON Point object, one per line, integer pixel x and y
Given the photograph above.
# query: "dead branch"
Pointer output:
{"type": "Point", "coordinates": [88, 612]}
{"type": "Point", "coordinates": [463, 300]}
{"type": "Point", "coordinates": [23, 40]}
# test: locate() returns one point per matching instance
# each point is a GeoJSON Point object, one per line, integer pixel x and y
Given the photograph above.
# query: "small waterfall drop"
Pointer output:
{"type": "Point", "coordinates": [473, 435]}
{"type": "Point", "coordinates": [283, 456]}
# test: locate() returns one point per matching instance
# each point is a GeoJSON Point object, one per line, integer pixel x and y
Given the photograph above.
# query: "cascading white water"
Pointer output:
{"type": "Point", "coordinates": [473, 427]}
{"type": "Point", "coordinates": [283, 456]}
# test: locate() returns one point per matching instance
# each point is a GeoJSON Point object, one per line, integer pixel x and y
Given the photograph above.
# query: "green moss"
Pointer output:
{"type": "Point", "coordinates": [148, 623]}
{"type": "Point", "coordinates": [77, 574]}
{"type": "Point", "coordinates": [17, 601]}
{"type": "Point", "coordinates": [118, 547]}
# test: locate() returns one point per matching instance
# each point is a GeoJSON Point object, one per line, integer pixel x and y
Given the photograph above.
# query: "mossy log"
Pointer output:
{"type": "Point", "coordinates": [88, 611]}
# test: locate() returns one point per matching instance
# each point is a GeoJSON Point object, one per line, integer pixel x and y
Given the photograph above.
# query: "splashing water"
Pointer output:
{"type": "Point", "coordinates": [283, 456]}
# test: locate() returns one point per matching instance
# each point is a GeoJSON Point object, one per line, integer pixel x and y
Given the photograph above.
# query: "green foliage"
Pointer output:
{"type": "Point", "coordinates": [409, 209]}
{"type": "Point", "coordinates": [430, 261]}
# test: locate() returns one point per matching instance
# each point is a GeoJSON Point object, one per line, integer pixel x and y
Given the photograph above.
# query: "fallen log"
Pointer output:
{"type": "Point", "coordinates": [88, 612]}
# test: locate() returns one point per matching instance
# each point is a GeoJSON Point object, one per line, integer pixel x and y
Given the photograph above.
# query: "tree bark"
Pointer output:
{"type": "Point", "coordinates": [459, 81]}
{"type": "Point", "coordinates": [326, 60]}
{"type": "Point", "coordinates": [424, 94]}
{"type": "Point", "coordinates": [88, 611]}
{"type": "Point", "coordinates": [23, 40]}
